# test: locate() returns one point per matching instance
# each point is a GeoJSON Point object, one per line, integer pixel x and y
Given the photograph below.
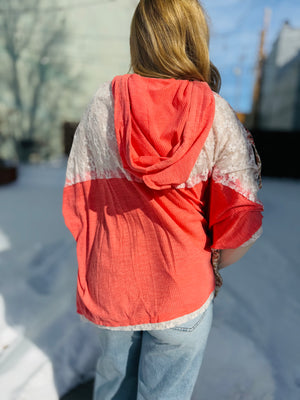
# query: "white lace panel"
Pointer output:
{"type": "Point", "coordinates": [94, 153]}
{"type": "Point", "coordinates": [227, 155]}
{"type": "Point", "coordinates": [234, 159]}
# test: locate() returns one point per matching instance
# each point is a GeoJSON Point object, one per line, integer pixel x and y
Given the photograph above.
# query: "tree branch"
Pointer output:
{"type": "Point", "coordinates": [9, 27]}
{"type": "Point", "coordinates": [42, 78]}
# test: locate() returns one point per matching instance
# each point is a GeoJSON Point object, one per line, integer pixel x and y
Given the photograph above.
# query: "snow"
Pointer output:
{"type": "Point", "coordinates": [253, 351]}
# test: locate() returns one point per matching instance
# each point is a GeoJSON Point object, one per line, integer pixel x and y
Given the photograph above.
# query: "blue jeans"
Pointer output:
{"type": "Point", "coordinates": [152, 365]}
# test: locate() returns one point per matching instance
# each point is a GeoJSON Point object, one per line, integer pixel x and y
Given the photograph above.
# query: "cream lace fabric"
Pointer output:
{"type": "Point", "coordinates": [227, 156]}
{"type": "Point", "coordinates": [235, 162]}
{"type": "Point", "coordinates": [94, 152]}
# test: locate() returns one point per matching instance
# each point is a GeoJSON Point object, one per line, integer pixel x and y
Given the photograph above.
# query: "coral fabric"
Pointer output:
{"type": "Point", "coordinates": [144, 255]}
{"type": "Point", "coordinates": [143, 235]}
{"type": "Point", "coordinates": [233, 219]}
{"type": "Point", "coordinates": [161, 126]}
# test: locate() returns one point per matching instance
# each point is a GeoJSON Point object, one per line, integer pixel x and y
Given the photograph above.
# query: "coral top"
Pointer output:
{"type": "Point", "coordinates": [160, 172]}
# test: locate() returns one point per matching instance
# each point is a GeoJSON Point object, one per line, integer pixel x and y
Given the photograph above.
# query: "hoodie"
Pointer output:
{"type": "Point", "coordinates": [160, 172]}
{"type": "Point", "coordinates": [161, 126]}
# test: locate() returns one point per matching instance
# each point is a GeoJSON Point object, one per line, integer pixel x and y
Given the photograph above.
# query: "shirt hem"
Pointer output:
{"type": "Point", "coordinates": [157, 326]}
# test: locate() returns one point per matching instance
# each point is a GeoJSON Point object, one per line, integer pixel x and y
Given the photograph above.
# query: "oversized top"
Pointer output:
{"type": "Point", "coordinates": [160, 172]}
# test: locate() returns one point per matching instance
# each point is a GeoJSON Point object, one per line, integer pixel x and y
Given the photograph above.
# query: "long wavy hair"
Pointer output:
{"type": "Point", "coordinates": [170, 39]}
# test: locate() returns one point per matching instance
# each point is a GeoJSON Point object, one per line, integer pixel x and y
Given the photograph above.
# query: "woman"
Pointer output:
{"type": "Point", "coordinates": [161, 172]}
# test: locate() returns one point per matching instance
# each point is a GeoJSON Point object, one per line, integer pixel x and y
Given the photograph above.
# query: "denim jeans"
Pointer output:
{"type": "Point", "coordinates": [152, 365]}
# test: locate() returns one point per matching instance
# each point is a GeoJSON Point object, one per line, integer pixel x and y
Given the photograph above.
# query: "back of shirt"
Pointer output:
{"type": "Point", "coordinates": [160, 172]}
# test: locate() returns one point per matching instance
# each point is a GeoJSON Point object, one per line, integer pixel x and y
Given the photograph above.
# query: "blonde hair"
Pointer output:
{"type": "Point", "coordinates": [169, 39]}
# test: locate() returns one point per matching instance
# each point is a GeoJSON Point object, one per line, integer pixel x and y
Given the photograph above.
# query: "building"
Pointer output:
{"type": "Point", "coordinates": [279, 104]}
{"type": "Point", "coordinates": [98, 47]}
{"type": "Point", "coordinates": [70, 51]}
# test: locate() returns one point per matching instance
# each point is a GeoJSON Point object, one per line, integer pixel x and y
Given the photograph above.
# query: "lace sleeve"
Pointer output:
{"type": "Point", "coordinates": [237, 163]}
{"type": "Point", "coordinates": [235, 211]}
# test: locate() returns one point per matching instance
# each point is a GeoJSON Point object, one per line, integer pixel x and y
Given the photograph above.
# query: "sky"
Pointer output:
{"type": "Point", "coordinates": [235, 35]}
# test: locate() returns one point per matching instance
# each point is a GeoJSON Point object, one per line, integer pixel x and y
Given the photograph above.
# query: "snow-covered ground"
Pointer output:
{"type": "Point", "coordinates": [253, 351]}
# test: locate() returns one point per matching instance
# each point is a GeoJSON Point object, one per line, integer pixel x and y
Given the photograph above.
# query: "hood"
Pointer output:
{"type": "Point", "coordinates": [161, 126]}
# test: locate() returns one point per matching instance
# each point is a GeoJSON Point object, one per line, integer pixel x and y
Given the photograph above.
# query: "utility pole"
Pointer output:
{"type": "Point", "coordinates": [259, 68]}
